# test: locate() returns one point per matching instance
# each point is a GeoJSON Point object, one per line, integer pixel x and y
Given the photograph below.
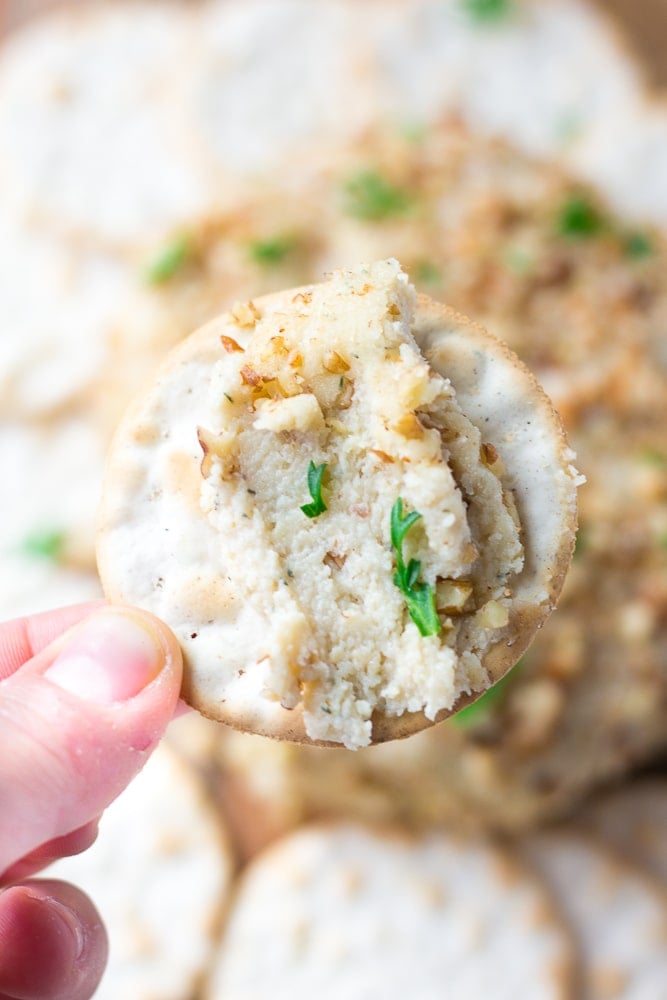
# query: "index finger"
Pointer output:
{"type": "Point", "coordinates": [22, 638]}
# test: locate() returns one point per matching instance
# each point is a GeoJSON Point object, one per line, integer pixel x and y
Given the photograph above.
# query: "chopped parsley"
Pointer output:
{"type": "Point", "coordinates": [490, 700]}
{"type": "Point", "coordinates": [413, 131]}
{"type": "Point", "coordinates": [578, 217]}
{"type": "Point", "coordinates": [47, 544]}
{"type": "Point", "coordinates": [488, 11]}
{"type": "Point", "coordinates": [517, 260]}
{"type": "Point", "coordinates": [318, 506]}
{"type": "Point", "coordinates": [419, 596]}
{"type": "Point", "coordinates": [270, 252]}
{"type": "Point", "coordinates": [654, 457]}
{"type": "Point", "coordinates": [581, 542]}
{"type": "Point", "coordinates": [169, 261]}
{"type": "Point", "coordinates": [369, 196]}
{"type": "Point", "coordinates": [637, 245]}
{"type": "Point", "coordinates": [427, 273]}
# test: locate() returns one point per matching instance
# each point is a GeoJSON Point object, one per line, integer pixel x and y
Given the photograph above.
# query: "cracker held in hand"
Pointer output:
{"type": "Point", "coordinates": [353, 507]}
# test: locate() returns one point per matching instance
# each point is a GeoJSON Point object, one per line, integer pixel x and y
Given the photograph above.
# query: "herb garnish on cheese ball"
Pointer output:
{"type": "Point", "coordinates": [438, 531]}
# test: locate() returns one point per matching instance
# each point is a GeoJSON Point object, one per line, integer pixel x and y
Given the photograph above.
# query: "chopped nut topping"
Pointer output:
{"type": "Point", "coordinates": [488, 455]}
{"type": "Point", "coordinates": [451, 595]}
{"type": "Point", "coordinates": [409, 426]}
{"type": "Point", "coordinates": [535, 711]}
{"type": "Point", "coordinates": [250, 377]}
{"type": "Point", "coordinates": [334, 362]}
{"type": "Point", "coordinates": [344, 398]}
{"type": "Point", "coordinates": [230, 345]}
{"type": "Point", "coordinates": [335, 559]}
{"type": "Point", "coordinates": [279, 345]}
{"type": "Point", "coordinates": [494, 615]}
{"type": "Point", "coordinates": [297, 413]}
{"type": "Point", "coordinates": [213, 446]}
{"type": "Point", "coordinates": [470, 553]}
{"type": "Point", "coordinates": [246, 313]}
{"type": "Point", "coordinates": [382, 455]}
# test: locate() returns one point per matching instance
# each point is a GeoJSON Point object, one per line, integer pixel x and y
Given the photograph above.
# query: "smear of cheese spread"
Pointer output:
{"type": "Point", "coordinates": [336, 379]}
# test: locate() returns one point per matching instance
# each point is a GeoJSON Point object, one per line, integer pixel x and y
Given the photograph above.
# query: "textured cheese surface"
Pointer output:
{"type": "Point", "coordinates": [344, 384]}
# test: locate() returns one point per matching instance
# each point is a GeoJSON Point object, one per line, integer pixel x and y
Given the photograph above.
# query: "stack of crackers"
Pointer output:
{"type": "Point", "coordinates": [159, 163]}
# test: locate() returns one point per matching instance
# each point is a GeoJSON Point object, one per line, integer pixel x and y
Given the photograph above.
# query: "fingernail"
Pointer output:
{"type": "Point", "coordinates": [45, 944]}
{"type": "Point", "coordinates": [110, 658]}
{"type": "Point", "coordinates": [66, 921]}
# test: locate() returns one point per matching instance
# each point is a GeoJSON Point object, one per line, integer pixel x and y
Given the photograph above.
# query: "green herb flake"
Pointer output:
{"type": "Point", "coordinates": [169, 261]}
{"type": "Point", "coordinates": [44, 545]}
{"type": "Point", "coordinates": [654, 457]}
{"type": "Point", "coordinates": [581, 543]}
{"type": "Point", "coordinates": [318, 506]}
{"type": "Point", "coordinates": [272, 251]}
{"type": "Point", "coordinates": [228, 397]}
{"type": "Point", "coordinates": [487, 11]}
{"type": "Point", "coordinates": [579, 218]}
{"type": "Point", "coordinates": [419, 596]}
{"type": "Point", "coordinates": [369, 196]}
{"type": "Point", "coordinates": [413, 131]}
{"type": "Point", "coordinates": [488, 702]}
{"type": "Point", "coordinates": [569, 127]}
{"type": "Point", "coordinates": [637, 245]}
{"type": "Point", "coordinates": [427, 273]}
{"type": "Point", "coordinates": [517, 260]}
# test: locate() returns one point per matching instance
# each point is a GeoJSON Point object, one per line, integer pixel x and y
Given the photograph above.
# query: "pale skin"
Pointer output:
{"type": "Point", "coordinates": [86, 693]}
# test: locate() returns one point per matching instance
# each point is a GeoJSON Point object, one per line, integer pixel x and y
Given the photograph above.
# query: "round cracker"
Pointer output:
{"type": "Point", "coordinates": [156, 549]}
{"type": "Point", "coordinates": [48, 498]}
{"type": "Point", "coordinates": [90, 141]}
{"type": "Point", "coordinates": [342, 911]}
{"type": "Point", "coordinates": [59, 310]}
{"type": "Point", "coordinates": [618, 915]}
{"type": "Point", "coordinates": [159, 873]}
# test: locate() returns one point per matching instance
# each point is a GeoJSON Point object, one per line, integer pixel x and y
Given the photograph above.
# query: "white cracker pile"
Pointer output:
{"type": "Point", "coordinates": [159, 874]}
{"type": "Point", "coordinates": [340, 911]}
{"type": "Point", "coordinates": [339, 606]}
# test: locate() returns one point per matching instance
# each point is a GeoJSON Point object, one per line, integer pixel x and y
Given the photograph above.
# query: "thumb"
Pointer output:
{"type": "Point", "coordinates": [78, 721]}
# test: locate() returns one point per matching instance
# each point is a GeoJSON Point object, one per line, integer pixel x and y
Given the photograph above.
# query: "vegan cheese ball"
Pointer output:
{"type": "Point", "coordinates": [353, 507]}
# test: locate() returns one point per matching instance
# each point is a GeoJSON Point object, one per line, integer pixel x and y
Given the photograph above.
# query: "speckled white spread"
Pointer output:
{"type": "Point", "coordinates": [345, 385]}
{"type": "Point", "coordinates": [204, 526]}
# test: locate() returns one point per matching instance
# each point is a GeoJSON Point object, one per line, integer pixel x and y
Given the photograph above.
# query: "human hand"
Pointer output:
{"type": "Point", "coordinates": [86, 692]}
